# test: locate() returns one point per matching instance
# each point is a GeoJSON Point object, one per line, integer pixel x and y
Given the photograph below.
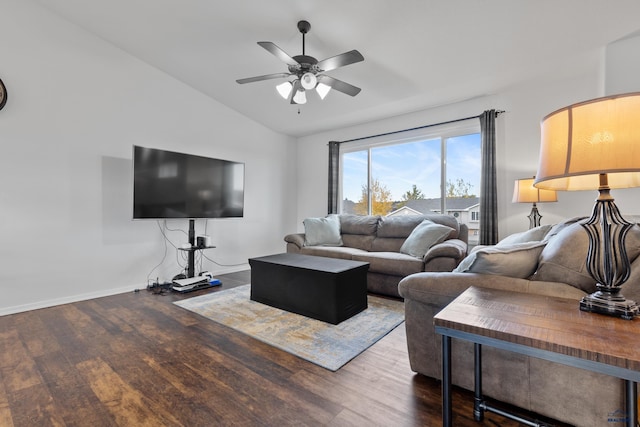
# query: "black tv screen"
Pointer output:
{"type": "Point", "coordinates": [167, 184]}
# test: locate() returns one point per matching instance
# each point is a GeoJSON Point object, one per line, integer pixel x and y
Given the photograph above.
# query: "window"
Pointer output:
{"type": "Point", "coordinates": [431, 170]}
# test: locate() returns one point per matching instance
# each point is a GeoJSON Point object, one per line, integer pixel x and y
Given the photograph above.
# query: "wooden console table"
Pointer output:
{"type": "Point", "coordinates": [548, 328]}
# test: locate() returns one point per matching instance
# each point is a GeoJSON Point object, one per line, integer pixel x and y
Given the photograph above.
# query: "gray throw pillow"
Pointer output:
{"type": "Point", "coordinates": [424, 236]}
{"type": "Point", "coordinates": [322, 231]}
{"type": "Point", "coordinates": [532, 235]}
{"type": "Point", "coordinates": [518, 260]}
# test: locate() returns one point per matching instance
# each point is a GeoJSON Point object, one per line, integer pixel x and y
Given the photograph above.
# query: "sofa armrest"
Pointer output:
{"type": "Point", "coordinates": [296, 239]}
{"type": "Point", "coordinates": [463, 234]}
{"type": "Point", "coordinates": [452, 248]}
{"type": "Point", "coordinates": [439, 289]}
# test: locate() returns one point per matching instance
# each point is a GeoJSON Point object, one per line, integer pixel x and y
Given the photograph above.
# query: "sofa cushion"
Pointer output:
{"type": "Point", "coordinates": [387, 244]}
{"type": "Point", "coordinates": [564, 258]}
{"type": "Point", "coordinates": [322, 231]}
{"type": "Point", "coordinates": [424, 236]}
{"type": "Point", "coordinates": [359, 241]}
{"type": "Point", "coordinates": [517, 260]}
{"type": "Point", "coordinates": [341, 252]}
{"type": "Point", "coordinates": [402, 226]}
{"type": "Point", "coordinates": [449, 221]}
{"type": "Point", "coordinates": [557, 228]}
{"type": "Point", "coordinates": [532, 235]}
{"type": "Point", "coordinates": [398, 226]}
{"type": "Point", "coordinates": [631, 288]}
{"type": "Point", "coordinates": [359, 224]}
{"type": "Point", "coordinates": [393, 231]}
{"type": "Point", "coordinates": [392, 263]}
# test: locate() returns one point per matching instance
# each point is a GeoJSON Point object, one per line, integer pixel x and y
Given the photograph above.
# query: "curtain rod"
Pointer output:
{"type": "Point", "coordinates": [498, 112]}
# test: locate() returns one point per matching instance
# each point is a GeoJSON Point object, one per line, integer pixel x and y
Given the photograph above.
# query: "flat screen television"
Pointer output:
{"type": "Point", "coordinates": [167, 185]}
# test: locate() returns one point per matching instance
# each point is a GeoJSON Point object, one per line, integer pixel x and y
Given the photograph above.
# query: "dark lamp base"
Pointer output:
{"type": "Point", "coordinates": [534, 217]}
{"type": "Point", "coordinates": [611, 305]}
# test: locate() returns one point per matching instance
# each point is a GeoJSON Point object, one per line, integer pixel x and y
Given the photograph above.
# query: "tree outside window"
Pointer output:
{"type": "Point", "coordinates": [381, 202]}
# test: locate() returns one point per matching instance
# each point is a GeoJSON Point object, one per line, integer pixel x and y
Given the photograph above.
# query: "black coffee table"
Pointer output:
{"type": "Point", "coordinates": [327, 289]}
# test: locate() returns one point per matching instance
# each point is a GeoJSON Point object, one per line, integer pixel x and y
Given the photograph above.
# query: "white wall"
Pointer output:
{"type": "Point", "coordinates": [76, 105]}
{"type": "Point", "coordinates": [518, 142]}
{"type": "Point", "coordinates": [623, 66]}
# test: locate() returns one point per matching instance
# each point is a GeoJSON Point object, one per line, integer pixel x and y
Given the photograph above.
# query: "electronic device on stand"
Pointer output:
{"type": "Point", "coordinates": [191, 250]}
{"type": "Point", "coordinates": [193, 282]}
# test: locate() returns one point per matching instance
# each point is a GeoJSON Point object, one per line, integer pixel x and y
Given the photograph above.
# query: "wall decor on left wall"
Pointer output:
{"type": "Point", "coordinates": [3, 95]}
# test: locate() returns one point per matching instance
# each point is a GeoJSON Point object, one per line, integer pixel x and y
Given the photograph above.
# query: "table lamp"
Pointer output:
{"type": "Point", "coordinates": [596, 145]}
{"type": "Point", "coordinates": [525, 192]}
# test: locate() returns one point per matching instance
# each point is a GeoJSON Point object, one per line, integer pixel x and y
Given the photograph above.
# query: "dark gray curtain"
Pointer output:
{"type": "Point", "coordinates": [488, 186]}
{"type": "Point", "coordinates": [334, 164]}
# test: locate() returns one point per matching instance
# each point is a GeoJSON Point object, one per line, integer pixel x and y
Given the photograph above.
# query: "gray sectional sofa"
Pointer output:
{"type": "Point", "coordinates": [393, 246]}
{"type": "Point", "coordinates": [555, 266]}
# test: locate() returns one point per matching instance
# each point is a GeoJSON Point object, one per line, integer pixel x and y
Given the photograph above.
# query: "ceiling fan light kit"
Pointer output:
{"type": "Point", "coordinates": [322, 90]}
{"type": "Point", "coordinates": [284, 89]}
{"type": "Point", "coordinates": [309, 81]}
{"type": "Point", "coordinates": [300, 97]}
{"type": "Point", "coordinates": [308, 72]}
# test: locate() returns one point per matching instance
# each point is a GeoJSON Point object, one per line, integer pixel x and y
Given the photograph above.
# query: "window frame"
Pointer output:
{"type": "Point", "coordinates": [443, 132]}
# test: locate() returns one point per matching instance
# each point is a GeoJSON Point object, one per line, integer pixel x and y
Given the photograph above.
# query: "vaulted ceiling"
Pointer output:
{"type": "Point", "coordinates": [418, 53]}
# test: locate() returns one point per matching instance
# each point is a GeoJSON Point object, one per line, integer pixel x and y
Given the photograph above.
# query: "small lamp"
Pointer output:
{"type": "Point", "coordinates": [596, 145]}
{"type": "Point", "coordinates": [525, 192]}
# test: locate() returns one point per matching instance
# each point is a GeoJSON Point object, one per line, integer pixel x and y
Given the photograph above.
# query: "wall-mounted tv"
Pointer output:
{"type": "Point", "coordinates": [167, 184]}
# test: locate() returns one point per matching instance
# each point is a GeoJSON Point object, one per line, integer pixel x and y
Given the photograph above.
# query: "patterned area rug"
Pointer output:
{"type": "Point", "coordinates": [327, 345]}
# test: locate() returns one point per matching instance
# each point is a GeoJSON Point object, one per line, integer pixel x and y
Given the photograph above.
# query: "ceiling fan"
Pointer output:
{"type": "Point", "coordinates": [308, 71]}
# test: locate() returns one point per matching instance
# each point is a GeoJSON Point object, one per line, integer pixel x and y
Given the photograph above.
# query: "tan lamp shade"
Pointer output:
{"type": "Point", "coordinates": [584, 140]}
{"type": "Point", "coordinates": [525, 192]}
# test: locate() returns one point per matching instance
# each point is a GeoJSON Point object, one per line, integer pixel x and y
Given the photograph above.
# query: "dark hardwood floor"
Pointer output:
{"type": "Point", "coordinates": [136, 359]}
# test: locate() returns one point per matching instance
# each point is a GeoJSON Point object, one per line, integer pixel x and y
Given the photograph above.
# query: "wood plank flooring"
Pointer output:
{"type": "Point", "coordinates": [136, 359]}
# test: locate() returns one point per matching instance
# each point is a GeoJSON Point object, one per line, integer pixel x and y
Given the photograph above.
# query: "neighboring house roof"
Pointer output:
{"type": "Point", "coordinates": [405, 210]}
{"type": "Point", "coordinates": [423, 206]}
{"type": "Point", "coordinates": [452, 204]}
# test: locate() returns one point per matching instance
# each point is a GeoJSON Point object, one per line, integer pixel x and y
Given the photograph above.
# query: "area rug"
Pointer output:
{"type": "Point", "coordinates": [327, 345]}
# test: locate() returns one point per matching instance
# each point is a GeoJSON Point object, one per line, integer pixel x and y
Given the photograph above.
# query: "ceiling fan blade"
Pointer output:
{"type": "Point", "coordinates": [296, 86]}
{"type": "Point", "coordinates": [341, 60]}
{"type": "Point", "coordinates": [339, 85]}
{"type": "Point", "coordinates": [281, 54]}
{"type": "Point", "coordinates": [260, 78]}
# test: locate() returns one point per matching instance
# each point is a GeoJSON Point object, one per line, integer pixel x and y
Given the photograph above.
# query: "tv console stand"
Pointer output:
{"type": "Point", "coordinates": [192, 250]}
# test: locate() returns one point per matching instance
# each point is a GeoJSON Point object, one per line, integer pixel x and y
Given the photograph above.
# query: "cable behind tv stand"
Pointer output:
{"type": "Point", "coordinates": [192, 250]}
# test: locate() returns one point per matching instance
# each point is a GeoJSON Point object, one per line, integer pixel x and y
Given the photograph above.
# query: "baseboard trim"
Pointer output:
{"type": "Point", "coordinates": [91, 295]}
{"type": "Point", "coordinates": [67, 300]}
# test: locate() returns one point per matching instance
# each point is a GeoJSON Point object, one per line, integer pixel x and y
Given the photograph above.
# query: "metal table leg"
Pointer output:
{"type": "Point", "coordinates": [478, 401]}
{"type": "Point", "coordinates": [447, 413]}
{"type": "Point", "coordinates": [632, 403]}
{"type": "Point", "coordinates": [480, 406]}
